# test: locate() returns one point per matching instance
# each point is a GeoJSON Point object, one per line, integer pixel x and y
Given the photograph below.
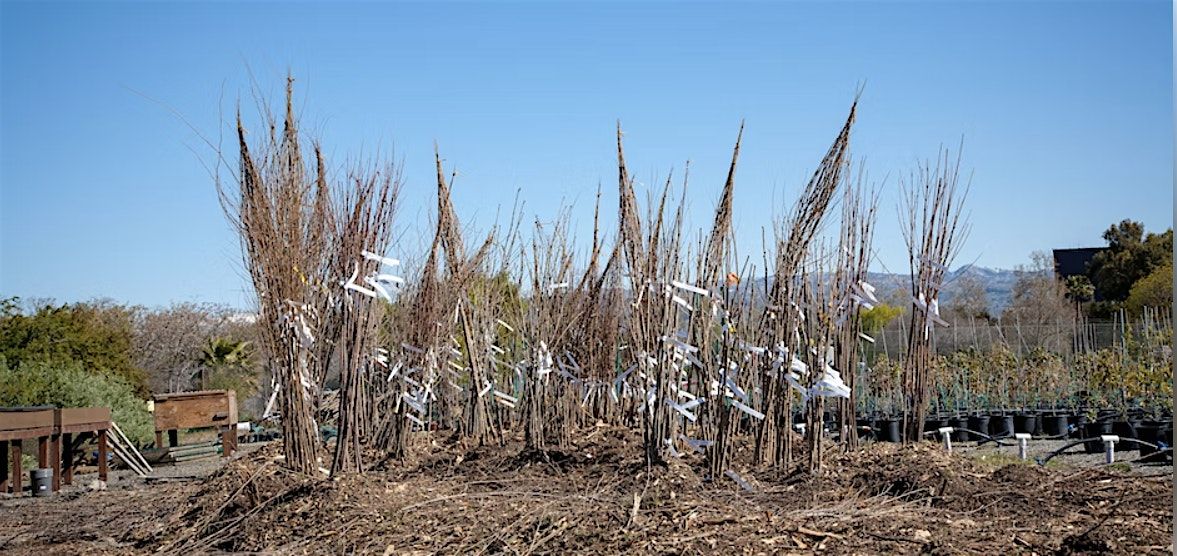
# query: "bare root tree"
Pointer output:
{"type": "Point", "coordinates": [934, 233]}
{"type": "Point", "coordinates": [282, 210]}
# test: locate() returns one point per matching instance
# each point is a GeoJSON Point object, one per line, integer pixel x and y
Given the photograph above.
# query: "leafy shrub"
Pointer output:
{"type": "Point", "coordinates": [97, 335]}
{"type": "Point", "coordinates": [70, 385]}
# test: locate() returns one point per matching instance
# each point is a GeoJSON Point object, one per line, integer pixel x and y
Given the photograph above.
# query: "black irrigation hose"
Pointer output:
{"type": "Point", "coordinates": [1042, 461]}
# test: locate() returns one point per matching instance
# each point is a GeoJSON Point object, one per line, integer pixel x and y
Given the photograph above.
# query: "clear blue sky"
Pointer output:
{"type": "Point", "coordinates": [1065, 110]}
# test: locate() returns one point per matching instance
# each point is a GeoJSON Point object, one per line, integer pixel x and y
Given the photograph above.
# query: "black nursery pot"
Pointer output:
{"type": "Point", "coordinates": [1125, 429]}
{"type": "Point", "coordinates": [888, 430]}
{"type": "Point", "coordinates": [1094, 431]}
{"type": "Point", "coordinates": [934, 423]}
{"type": "Point", "coordinates": [1077, 422]}
{"type": "Point", "coordinates": [1039, 424]}
{"type": "Point", "coordinates": [1001, 426]}
{"type": "Point", "coordinates": [1026, 423]}
{"type": "Point", "coordinates": [1054, 425]}
{"type": "Point", "coordinates": [1148, 432]}
{"type": "Point", "coordinates": [979, 423]}
{"type": "Point", "coordinates": [866, 428]}
{"type": "Point", "coordinates": [958, 424]}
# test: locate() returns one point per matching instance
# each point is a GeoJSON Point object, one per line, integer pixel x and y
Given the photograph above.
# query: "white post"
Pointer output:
{"type": "Point", "coordinates": [1109, 447]}
{"type": "Point", "coordinates": [946, 433]}
{"type": "Point", "coordinates": [1023, 440]}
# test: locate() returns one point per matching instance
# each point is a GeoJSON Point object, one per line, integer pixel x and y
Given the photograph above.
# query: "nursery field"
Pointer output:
{"type": "Point", "coordinates": [648, 391]}
{"type": "Point", "coordinates": [598, 496]}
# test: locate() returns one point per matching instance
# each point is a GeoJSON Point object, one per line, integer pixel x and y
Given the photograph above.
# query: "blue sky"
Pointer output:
{"type": "Point", "coordinates": [1065, 111]}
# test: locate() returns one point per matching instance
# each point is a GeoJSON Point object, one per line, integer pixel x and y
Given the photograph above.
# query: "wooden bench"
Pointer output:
{"type": "Point", "coordinates": [50, 426]}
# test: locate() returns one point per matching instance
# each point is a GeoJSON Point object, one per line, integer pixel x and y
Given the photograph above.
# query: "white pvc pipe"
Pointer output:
{"type": "Point", "coordinates": [1109, 447]}
{"type": "Point", "coordinates": [946, 433]}
{"type": "Point", "coordinates": [1023, 441]}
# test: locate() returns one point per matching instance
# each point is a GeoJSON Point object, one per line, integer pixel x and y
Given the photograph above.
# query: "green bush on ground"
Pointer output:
{"type": "Point", "coordinates": [69, 385]}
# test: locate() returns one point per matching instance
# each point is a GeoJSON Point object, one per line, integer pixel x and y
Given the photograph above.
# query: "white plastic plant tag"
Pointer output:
{"type": "Point", "coordinates": [693, 289]}
{"type": "Point", "coordinates": [752, 412]}
{"type": "Point", "coordinates": [739, 480]}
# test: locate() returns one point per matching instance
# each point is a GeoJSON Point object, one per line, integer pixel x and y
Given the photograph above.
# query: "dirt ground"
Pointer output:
{"type": "Point", "coordinates": [597, 497]}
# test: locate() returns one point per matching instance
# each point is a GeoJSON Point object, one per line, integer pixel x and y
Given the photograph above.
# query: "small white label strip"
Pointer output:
{"type": "Point", "coordinates": [694, 360]}
{"type": "Point", "coordinates": [559, 286]}
{"type": "Point", "coordinates": [572, 360]}
{"type": "Point", "coordinates": [621, 377]}
{"type": "Point", "coordinates": [350, 283]}
{"type": "Point", "coordinates": [382, 260]}
{"type": "Point", "coordinates": [696, 445]}
{"type": "Point", "coordinates": [378, 287]}
{"type": "Point", "coordinates": [751, 348]}
{"type": "Point", "coordinates": [679, 408]}
{"type": "Point", "coordinates": [396, 369]}
{"type": "Point", "coordinates": [739, 481]}
{"type": "Point", "coordinates": [390, 279]}
{"type": "Point", "coordinates": [861, 301]}
{"type": "Point", "coordinates": [413, 403]}
{"type": "Point", "coordinates": [507, 397]}
{"type": "Point", "coordinates": [414, 419]}
{"type": "Point", "coordinates": [680, 344]}
{"type": "Point", "coordinates": [865, 337]}
{"type": "Point", "coordinates": [670, 447]}
{"type": "Point", "coordinates": [752, 412]}
{"type": "Point", "coordinates": [735, 389]}
{"type": "Point", "coordinates": [484, 390]}
{"type": "Point", "coordinates": [693, 289]}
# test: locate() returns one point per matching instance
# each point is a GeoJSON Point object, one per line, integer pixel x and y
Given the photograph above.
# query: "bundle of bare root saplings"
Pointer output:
{"type": "Point", "coordinates": [647, 389]}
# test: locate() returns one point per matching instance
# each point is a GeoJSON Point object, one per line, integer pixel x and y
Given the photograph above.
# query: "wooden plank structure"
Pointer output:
{"type": "Point", "coordinates": [195, 410]}
{"type": "Point", "coordinates": [80, 421]}
{"type": "Point", "coordinates": [55, 430]}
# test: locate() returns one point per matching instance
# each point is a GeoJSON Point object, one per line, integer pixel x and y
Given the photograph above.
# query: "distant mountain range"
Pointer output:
{"type": "Point", "coordinates": [998, 284]}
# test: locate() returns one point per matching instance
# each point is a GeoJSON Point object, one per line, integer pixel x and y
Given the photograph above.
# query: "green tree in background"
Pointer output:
{"type": "Point", "coordinates": [96, 336]}
{"type": "Point", "coordinates": [1131, 256]}
{"type": "Point", "coordinates": [1080, 289]}
{"type": "Point", "coordinates": [1154, 290]}
{"type": "Point", "coordinates": [877, 317]}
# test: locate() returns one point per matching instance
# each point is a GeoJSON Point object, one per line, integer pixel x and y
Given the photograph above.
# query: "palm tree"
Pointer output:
{"type": "Point", "coordinates": [223, 354]}
{"type": "Point", "coordinates": [1079, 290]}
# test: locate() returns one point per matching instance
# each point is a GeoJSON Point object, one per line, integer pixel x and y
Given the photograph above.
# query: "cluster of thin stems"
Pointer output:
{"type": "Point", "coordinates": [522, 334]}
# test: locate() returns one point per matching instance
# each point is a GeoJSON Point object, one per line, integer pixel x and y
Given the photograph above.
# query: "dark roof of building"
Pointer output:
{"type": "Point", "coordinates": [1072, 262]}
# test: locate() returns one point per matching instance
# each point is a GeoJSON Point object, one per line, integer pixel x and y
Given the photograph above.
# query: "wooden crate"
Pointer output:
{"type": "Point", "coordinates": [192, 410]}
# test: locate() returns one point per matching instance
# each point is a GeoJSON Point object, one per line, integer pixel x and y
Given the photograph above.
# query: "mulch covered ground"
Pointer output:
{"type": "Point", "coordinates": [596, 496]}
